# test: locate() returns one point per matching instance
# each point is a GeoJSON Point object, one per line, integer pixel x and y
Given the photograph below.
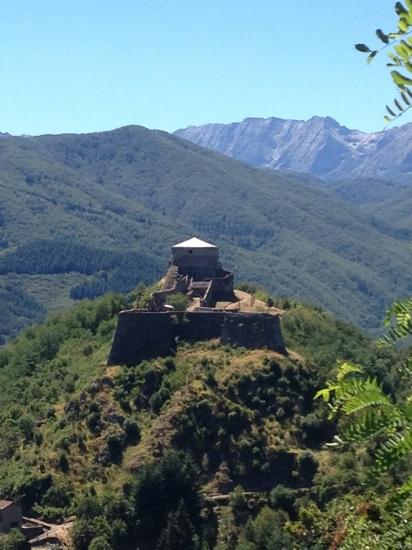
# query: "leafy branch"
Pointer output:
{"type": "Point", "coordinates": [400, 56]}
{"type": "Point", "coordinates": [370, 412]}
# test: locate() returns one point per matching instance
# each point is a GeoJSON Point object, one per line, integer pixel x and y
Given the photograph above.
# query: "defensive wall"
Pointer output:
{"type": "Point", "coordinates": [143, 334]}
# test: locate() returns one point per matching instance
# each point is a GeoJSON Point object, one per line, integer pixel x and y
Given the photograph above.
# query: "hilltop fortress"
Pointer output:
{"type": "Point", "coordinates": [214, 310]}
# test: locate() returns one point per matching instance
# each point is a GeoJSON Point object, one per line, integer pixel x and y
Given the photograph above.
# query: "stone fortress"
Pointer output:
{"type": "Point", "coordinates": [215, 310]}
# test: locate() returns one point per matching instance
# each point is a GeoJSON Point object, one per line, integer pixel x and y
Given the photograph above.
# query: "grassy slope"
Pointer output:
{"type": "Point", "coordinates": [138, 190]}
{"type": "Point", "coordinates": [62, 413]}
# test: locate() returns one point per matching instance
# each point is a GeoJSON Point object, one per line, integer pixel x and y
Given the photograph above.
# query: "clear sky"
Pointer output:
{"type": "Point", "coordinates": [89, 65]}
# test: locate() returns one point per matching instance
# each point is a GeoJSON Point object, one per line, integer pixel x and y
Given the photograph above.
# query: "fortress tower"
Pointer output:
{"type": "Point", "coordinates": [196, 258]}
{"type": "Point", "coordinates": [214, 310]}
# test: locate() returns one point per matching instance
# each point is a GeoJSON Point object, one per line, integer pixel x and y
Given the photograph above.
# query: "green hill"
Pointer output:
{"type": "Point", "coordinates": [97, 212]}
{"type": "Point", "coordinates": [125, 447]}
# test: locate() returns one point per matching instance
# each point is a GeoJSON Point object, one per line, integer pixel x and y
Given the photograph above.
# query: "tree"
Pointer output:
{"type": "Point", "coordinates": [179, 531]}
{"type": "Point", "coordinates": [399, 43]}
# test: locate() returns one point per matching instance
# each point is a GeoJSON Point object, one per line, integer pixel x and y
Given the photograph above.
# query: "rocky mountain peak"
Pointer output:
{"type": "Point", "coordinates": [319, 146]}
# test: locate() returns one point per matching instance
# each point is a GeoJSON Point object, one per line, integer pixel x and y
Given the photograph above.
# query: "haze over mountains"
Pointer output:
{"type": "Point", "coordinates": [83, 214]}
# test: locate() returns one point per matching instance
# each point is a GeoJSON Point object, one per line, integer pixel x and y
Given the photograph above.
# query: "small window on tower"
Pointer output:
{"type": "Point", "coordinates": [190, 251]}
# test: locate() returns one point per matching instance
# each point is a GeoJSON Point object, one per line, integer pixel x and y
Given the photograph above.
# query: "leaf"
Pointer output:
{"type": "Point", "coordinates": [382, 36]}
{"type": "Point", "coordinates": [401, 313]}
{"type": "Point", "coordinates": [371, 56]}
{"type": "Point", "coordinates": [346, 368]}
{"type": "Point", "coordinates": [390, 111]}
{"type": "Point", "coordinates": [403, 25]}
{"type": "Point", "coordinates": [407, 46]}
{"type": "Point", "coordinates": [324, 393]}
{"type": "Point", "coordinates": [405, 98]}
{"type": "Point", "coordinates": [400, 9]}
{"type": "Point", "coordinates": [401, 80]}
{"type": "Point", "coordinates": [362, 48]}
{"type": "Point", "coordinates": [397, 446]}
{"type": "Point", "coordinates": [399, 106]}
{"type": "Point", "coordinates": [387, 119]}
{"type": "Point", "coordinates": [403, 52]}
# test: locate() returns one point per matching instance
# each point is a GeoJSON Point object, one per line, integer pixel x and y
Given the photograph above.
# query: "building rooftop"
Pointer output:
{"type": "Point", "coordinates": [194, 242]}
{"type": "Point", "coordinates": [5, 504]}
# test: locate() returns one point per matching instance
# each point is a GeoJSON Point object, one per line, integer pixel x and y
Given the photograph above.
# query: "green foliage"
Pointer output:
{"type": "Point", "coordinates": [179, 301]}
{"type": "Point", "coordinates": [400, 56]}
{"type": "Point", "coordinates": [179, 531]}
{"type": "Point", "coordinates": [399, 321]}
{"type": "Point", "coordinates": [14, 540]}
{"type": "Point", "coordinates": [266, 532]}
{"type": "Point", "coordinates": [161, 505]}
{"type": "Point", "coordinates": [371, 413]}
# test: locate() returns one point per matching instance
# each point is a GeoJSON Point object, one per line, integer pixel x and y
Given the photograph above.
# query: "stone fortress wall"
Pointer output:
{"type": "Point", "coordinates": [143, 334]}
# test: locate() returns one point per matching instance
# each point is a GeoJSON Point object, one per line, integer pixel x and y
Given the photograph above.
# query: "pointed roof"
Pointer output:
{"type": "Point", "coordinates": [194, 242]}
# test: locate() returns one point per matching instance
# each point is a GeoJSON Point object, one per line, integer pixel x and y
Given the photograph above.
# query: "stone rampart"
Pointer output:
{"type": "Point", "coordinates": [141, 334]}
{"type": "Point", "coordinates": [201, 325]}
{"type": "Point", "coordinates": [253, 330]}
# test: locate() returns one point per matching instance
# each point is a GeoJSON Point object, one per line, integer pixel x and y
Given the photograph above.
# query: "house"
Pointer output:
{"type": "Point", "coordinates": [10, 515]}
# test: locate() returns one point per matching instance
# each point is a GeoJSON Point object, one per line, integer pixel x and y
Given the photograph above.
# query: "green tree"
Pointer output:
{"type": "Point", "coordinates": [14, 540]}
{"type": "Point", "coordinates": [100, 543]}
{"type": "Point", "coordinates": [179, 531]}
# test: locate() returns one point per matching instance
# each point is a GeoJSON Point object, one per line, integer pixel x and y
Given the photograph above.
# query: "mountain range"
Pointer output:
{"type": "Point", "coordinates": [319, 146]}
{"type": "Point", "coordinates": [83, 214]}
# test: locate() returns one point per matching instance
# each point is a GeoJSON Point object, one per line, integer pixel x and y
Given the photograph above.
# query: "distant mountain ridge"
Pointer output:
{"type": "Point", "coordinates": [319, 146]}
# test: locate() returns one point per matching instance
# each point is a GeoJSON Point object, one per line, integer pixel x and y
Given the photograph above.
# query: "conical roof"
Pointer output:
{"type": "Point", "coordinates": [194, 242]}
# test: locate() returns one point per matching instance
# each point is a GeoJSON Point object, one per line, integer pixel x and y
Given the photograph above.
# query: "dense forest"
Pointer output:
{"type": "Point", "coordinates": [213, 447]}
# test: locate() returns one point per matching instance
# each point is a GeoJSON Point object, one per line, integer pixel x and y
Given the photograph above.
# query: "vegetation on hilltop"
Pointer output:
{"type": "Point", "coordinates": [225, 441]}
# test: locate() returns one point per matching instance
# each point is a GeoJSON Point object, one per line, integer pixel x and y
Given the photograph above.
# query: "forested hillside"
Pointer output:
{"type": "Point", "coordinates": [236, 436]}
{"type": "Point", "coordinates": [83, 214]}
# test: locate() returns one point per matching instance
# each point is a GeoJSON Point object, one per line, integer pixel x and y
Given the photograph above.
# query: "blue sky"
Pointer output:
{"type": "Point", "coordinates": [90, 65]}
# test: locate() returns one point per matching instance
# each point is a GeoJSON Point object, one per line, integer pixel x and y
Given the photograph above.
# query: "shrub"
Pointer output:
{"type": "Point", "coordinates": [26, 426]}
{"type": "Point", "coordinates": [178, 301]}
{"type": "Point", "coordinates": [63, 462]}
{"type": "Point", "coordinates": [115, 444]}
{"type": "Point", "coordinates": [283, 497]}
{"type": "Point", "coordinates": [158, 399]}
{"type": "Point", "coordinates": [93, 422]}
{"type": "Point", "coordinates": [100, 543]}
{"type": "Point", "coordinates": [132, 431]}
{"type": "Point", "coordinates": [14, 540]}
{"type": "Point", "coordinates": [308, 467]}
